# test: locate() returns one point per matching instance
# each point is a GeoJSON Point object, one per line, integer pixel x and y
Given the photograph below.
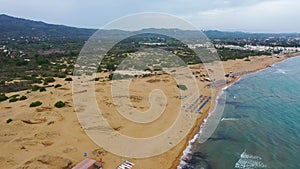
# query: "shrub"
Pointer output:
{"type": "Point", "coordinates": [97, 79]}
{"type": "Point", "coordinates": [23, 98]}
{"type": "Point", "coordinates": [2, 82]}
{"type": "Point", "coordinates": [49, 80]}
{"type": "Point", "coordinates": [248, 60]}
{"type": "Point", "coordinates": [42, 89]}
{"type": "Point", "coordinates": [59, 104]}
{"type": "Point", "coordinates": [110, 77]}
{"type": "Point", "coordinates": [13, 99]}
{"type": "Point", "coordinates": [26, 77]}
{"type": "Point", "coordinates": [35, 104]}
{"type": "Point", "coordinates": [41, 60]}
{"type": "Point", "coordinates": [21, 63]}
{"type": "Point", "coordinates": [15, 95]}
{"type": "Point", "coordinates": [61, 76]}
{"type": "Point", "coordinates": [3, 97]}
{"type": "Point", "coordinates": [36, 80]}
{"type": "Point", "coordinates": [35, 88]}
{"type": "Point", "coordinates": [182, 87]}
{"type": "Point", "coordinates": [68, 79]}
{"type": "Point", "coordinates": [57, 86]}
{"type": "Point", "coordinates": [9, 120]}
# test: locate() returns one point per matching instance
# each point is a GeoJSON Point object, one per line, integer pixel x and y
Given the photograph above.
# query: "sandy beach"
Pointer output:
{"type": "Point", "coordinates": [50, 137]}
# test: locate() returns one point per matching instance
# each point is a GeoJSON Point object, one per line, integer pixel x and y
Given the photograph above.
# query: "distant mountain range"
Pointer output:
{"type": "Point", "coordinates": [16, 27]}
{"type": "Point", "coordinates": [12, 26]}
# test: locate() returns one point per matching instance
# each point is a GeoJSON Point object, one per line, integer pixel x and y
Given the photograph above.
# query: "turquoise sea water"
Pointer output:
{"type": "Point", "coordinates": [260, 127]}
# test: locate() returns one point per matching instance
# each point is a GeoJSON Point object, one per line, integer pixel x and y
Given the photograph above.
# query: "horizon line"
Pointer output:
{"type": "Point", "coordinates": [94, 28]}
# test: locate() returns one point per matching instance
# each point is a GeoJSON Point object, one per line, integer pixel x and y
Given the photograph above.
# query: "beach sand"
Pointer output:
{"type": "Point", "coordinates": [49, 137]}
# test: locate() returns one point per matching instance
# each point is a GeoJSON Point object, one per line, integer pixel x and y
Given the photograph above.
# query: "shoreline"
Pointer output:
{"type": "Point", "coordinates": [195, 133]}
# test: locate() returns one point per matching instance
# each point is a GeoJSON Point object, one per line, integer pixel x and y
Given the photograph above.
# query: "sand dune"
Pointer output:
{"type": "Point", "coordinates": [49, 137]}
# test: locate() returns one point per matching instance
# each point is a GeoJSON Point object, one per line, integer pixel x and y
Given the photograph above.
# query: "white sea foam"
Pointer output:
{"type": "Point", "coordinates": [281, 71]}
{"type": "Point", "coordinates": [230, 119]}
{"type": "Point", "coordinates": [187, 153]}
{"type": "Point", "coordinates": [248, 161]}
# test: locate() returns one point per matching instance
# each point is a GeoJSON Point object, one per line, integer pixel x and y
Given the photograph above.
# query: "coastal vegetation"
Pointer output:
{"type": "Point", "coordinates": [3, 97]}
{"type": "Point", "coordinates": [35, 104]}
{"type": "Point", "coordinates": [182, 87]}
{"type": "Point", "coordinates": [42, 89]}
{"type": "Point", "coordinates": [231, 54]}
{"type": "Point", "coordinates": [68, 79]}
{"type": "Point", "coordinates": [48, 80]}
{"type": "Point", "coordinates": [9, 120]}
{"type": "Point", "coordinates": [13, 99]}
{"type": "Point", "coordinates": [23, 98]}
{"type": "Point", "coordinates": [35, 88]}
{"type": "Point", "coordinates": [57, 85]}
{"type": "Point", "coordinates": [60, 104]}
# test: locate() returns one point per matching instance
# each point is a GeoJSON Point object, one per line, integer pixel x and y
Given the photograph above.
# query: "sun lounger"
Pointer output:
{"type": "Point", "coordinates": [126, 165]}
{"type": "Point", "coordinates": [129, 163]}
{"type": "Point", "coordinates": [206, 101]}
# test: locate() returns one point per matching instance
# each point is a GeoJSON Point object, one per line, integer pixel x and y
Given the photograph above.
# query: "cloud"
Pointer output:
{"type": "Point", "coordinates": [267, 16]}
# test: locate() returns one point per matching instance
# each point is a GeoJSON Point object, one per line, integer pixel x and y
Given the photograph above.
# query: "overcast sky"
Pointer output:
{"type": "Point", "coordinates": [229, 15]}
